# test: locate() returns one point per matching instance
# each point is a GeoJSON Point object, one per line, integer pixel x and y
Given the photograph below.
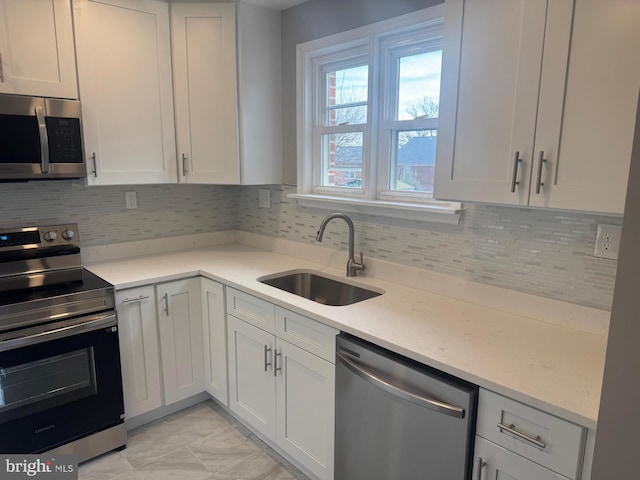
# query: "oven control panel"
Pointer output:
{"type": "Point", "coordinates": [39, 237]}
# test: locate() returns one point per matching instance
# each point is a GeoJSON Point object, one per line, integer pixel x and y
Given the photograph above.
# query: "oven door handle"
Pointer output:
{"type": "Point", "coordinates": [67, 328]}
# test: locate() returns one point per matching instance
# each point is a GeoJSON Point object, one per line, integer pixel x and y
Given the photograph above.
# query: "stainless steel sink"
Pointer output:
{"type": "Point", "coordinates": [319, 288]}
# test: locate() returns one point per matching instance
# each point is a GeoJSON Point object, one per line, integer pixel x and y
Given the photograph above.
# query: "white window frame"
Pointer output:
{"type": "Point", "coordinates": [376, 40]}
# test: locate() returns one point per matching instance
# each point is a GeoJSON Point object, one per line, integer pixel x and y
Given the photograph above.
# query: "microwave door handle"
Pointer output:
{"type": "Point", "coordinates": [44, 139]}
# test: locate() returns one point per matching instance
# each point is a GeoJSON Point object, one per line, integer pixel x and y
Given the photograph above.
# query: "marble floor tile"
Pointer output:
{"type": "Point", "coordinates": [224, 449]}
{"type": "Point", "coordinates": [203, 442]}
{"type": "Point", "coordinates": [105, 467]}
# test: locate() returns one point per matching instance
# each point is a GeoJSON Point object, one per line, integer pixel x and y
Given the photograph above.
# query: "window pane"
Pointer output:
{"type": "Point", "coordinates": [346, 96]}
{"type": "Point", "coordinates": [413, 160]}
{"type": "Point", "coordinates": [419, 85]}
{"type": "Point", "coordinates": [342, 160]}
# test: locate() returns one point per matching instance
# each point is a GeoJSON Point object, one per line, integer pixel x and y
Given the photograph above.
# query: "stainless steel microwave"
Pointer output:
{"type": "Point", "coordinates": [40, 139]}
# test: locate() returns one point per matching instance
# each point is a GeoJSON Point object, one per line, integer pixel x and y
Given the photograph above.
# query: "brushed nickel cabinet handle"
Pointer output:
{"type": "Point", "coordinates": [95, 166]}
{"type": "Point", "coordinates": [275, 363]}
{"type": "Point", "coordinates": [1, 69]}
{"type": "Point", "coordinates": [512, 430]}
{"type": "Point", "coordinates": [266, 353]}
{"type": "Point", "coordinates": [514, 180]}
{"type": "Point", "coordinates": [481, 465]}
{"type": "Point", "coordinates": [541, 162]}
{"type": "Point", "coordinates": [166, 303]}
{"type": "Point", "coordinates": [184, 165]}
{"type": "Point", "coordinates": [137, 299]}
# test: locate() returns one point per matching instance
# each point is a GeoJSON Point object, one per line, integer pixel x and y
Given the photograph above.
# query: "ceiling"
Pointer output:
{"type": "Point", "coordinates": [276, 4]}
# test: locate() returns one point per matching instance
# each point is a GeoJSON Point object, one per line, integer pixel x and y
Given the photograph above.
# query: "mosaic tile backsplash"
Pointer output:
{"type": "Point", "coordinates": [163, 210]}
{"type": "Point", "coordinates": [540, 252]}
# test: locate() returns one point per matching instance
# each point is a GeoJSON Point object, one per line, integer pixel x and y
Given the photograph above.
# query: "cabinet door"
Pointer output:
{"type": "Point", "coordinates": [204, 69]}
{"type": "Point", "coordinates": [181, 346]}
{"type": "Point", "coordinates": [588, 169]}
{"type": "Point", "coordinates": [124, 70]}
{"type": "Point", "coordinates": [260, 92]}
{"type": "Point", "coordinates": [215, 340]}
{"type": "Point", "coordinates": [503, 464]}
{"type": "Point", "coordinates": [252, 395]}
{"type": "Point", "coordinates": [138, 333]}
{"type": "Point", "coordinates": [37, 56]}
{"type": "Point", "coordinates": [306, 403]}
{"type": "Point", "coordinates": [490, 79]}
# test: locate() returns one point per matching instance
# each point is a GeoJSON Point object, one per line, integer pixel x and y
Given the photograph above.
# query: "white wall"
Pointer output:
{"type": "Point", "coordinates": [618, 437]}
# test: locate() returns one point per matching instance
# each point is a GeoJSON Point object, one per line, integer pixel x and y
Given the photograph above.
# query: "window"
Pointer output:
{"type": "Point", "coordinates": [368, 108]}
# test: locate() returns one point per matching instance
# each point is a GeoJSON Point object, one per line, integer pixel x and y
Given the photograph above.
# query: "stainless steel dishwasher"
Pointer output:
{"type": "Point", "coordinates": [400, 420]}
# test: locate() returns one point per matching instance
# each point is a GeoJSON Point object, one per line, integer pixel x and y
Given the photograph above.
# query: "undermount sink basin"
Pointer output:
{"type": "Point", "coordinates": [319, 288]}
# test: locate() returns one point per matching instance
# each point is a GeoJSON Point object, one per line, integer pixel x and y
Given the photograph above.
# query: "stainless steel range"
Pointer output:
{"type": "Point", "coordinates": [60, 378]}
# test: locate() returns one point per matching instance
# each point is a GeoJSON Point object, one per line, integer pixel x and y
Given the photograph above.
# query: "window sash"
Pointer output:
{"type": "Point", "coordinates": [375, 48]}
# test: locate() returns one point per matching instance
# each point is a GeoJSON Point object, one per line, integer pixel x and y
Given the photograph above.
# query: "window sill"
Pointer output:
{"type": "Point", "coordinates": [444, 212]}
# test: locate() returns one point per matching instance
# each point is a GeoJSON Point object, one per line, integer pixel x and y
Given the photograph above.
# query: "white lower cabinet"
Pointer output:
{"type": "Point", "coordinates": [282, 390]}
{"type": "Point", "coordinates": [161, 347]}
{"type": "Point", "coordinates": [139, 355]}
{"type": "Point", "coordinates": [252, 383]}
{"type": "Point", "coordinates": [497, 462]}
{"type": "Point", "coordinates": [305, 407]}
{"type": "Point", "coordinates": [215, 339]}
{"type": "Point", "coordinates": [181, 346]}
{"type": "Point", "coordinates": [519, 442]}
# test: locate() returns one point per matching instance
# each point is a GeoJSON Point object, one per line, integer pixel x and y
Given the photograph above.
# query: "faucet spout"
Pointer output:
{"type": "Point", "coordinates": [352, 264]}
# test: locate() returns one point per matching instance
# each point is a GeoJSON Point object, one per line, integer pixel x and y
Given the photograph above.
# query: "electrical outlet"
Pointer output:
{"type": "Point", "coordinates": [264, 198]}
{"type": "Point", "coordinates": [130, 200]}
{"type": "Point", "coordinates": [608, 241]}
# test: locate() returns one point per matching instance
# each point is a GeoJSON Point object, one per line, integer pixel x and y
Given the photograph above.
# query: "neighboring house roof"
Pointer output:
{"type": "Point", "coordinates": [418, 151]}
{"type": "Point", "coordinates": [348, 156]}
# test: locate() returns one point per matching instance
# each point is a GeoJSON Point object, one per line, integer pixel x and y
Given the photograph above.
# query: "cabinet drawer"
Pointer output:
{"type": "Point", "coordinates": [501, 463]}
{"type": "Point", "coordinates": [251, 309]}
{"type": "Point", "coordinates": [562, 442]}
{"type": "Point", "coordinates": [307, 334]}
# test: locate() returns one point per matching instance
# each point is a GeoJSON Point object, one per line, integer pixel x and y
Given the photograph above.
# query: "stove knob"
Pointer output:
{"type": "Point", "coordinates": [50, 236]}
{"type": "Point", "coordinates": [68, 234]}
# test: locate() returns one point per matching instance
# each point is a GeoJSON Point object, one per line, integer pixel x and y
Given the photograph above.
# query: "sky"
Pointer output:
{"type": "Point", "coordinates": [419, 77]}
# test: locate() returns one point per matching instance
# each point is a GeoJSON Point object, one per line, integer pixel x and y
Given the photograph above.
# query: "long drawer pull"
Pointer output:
{"type": "Point", "coordinates": [511, 429]}
{"type": "Point", "coordinates": [136, 299]}
{"type": "Point", "coordinates": [431, 404]}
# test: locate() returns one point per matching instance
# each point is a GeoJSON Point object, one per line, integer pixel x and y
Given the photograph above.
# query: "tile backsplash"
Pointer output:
{"type": "Point", "coordinates": [541, 252]}
{"type": "Point", "coordinates": [163, 210]}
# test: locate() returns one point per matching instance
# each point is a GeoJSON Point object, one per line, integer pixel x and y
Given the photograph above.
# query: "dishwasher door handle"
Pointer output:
{"type": "Point", "coordinates": [420, 400]}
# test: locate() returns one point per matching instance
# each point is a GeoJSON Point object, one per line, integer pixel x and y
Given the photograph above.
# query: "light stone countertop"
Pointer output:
{"type": "Point", "coordinates": [551, 367]}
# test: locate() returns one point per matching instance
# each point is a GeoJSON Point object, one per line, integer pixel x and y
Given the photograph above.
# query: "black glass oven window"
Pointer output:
{"type": "Point", "coordinates": [71, 375]}
{"type": "Point", "coordinates": [19, 139]}
{"type": "Point", "coordinates": [64, 140]}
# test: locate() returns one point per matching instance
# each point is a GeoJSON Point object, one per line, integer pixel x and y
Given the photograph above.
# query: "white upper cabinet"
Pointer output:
{"type": "Point", "coordinates": [260, 95]}
{"type": "Point", "coordinates": [227, 94]}
{"type": "Point", "coordinates": [37, 57]}
{"type": "Point", "coordinates": [588, 163]}
{"type": "Point", "coordinates": [537, 102]}
{"type": "Point", "coordinates": [206, 103]}
{"type": "Point", "coordinates": [124, 70]}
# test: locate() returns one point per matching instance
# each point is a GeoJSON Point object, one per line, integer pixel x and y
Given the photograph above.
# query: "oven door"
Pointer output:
{"type": "Point", "coordinates": [59, 382]}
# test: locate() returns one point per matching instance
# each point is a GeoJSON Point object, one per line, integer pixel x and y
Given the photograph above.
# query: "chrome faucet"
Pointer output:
{"type": "Point", "coordinates": [352, 264]}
